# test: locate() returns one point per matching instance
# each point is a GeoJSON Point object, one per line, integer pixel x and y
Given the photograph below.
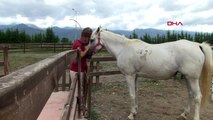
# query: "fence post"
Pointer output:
{"type": "Point", "coordinates": [79, 82]}
{"type": "Point", "coordinates": [24, 47]}
{"type": "Point", "coordinates": [54, 48]}
{"type": "Point", "coordinates": [212, 90]}
{"type": "Point", "coordinates": [91, 67]}
{"type": "Point", "coordinates": [6, 66]}
{"type": "Point", "coordinates": [97, 69]}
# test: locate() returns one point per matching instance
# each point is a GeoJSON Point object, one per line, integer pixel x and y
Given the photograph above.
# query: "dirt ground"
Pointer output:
{"type": "Point", "coordinates": [157, 100]}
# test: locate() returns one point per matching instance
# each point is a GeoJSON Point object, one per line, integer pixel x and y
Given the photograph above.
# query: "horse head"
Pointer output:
{"type": "Point", "coordinates": [95, 42]}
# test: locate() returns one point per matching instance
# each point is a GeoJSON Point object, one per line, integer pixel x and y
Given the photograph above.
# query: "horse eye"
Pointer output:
{"type": "Point", "coordinates": [92, 40]}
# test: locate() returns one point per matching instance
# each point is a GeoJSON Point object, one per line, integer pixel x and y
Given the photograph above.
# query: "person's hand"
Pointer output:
{"type": "Point", "coordinates": [86, 48]}
{"type": "Point", "coordinates": [83, 53]}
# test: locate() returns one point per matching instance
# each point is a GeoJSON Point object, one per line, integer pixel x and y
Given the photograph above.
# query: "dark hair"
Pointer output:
{"type": "Point", "coordinates": [86, 32]}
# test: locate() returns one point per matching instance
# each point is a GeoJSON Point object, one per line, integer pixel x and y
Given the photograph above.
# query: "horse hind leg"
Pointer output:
{"type": "Point", "coordinates": [197, 98]}
{"type": "Point", "coordinates": [131, 84]}
{"type": "Point", "coordinates": [186, 112]}
{"type": "Point", "coordinates": [195, 94]}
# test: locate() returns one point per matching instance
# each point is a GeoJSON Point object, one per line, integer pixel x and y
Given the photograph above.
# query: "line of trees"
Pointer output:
{"type": "Point", "coordinates": [173, 36]}
{"type": "Point", "coordinates": [16, 36]}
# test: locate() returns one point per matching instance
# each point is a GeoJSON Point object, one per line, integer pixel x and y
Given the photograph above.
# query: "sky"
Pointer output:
{"type": "Point", "coordinates": [189, 15]}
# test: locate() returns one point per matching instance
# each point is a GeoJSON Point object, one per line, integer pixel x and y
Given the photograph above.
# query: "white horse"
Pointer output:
{"type": "Point", "coordinates": [160, 61]}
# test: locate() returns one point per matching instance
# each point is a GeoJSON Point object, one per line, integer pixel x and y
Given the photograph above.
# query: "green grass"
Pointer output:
{"type": "Point", "coordinates": [18, 60]}
{"type": "Point", "coordinates": [94, 114]}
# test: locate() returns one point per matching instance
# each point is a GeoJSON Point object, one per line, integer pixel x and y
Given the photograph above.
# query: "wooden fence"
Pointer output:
{"type": "Point", "coordinates": [212, 91]}
{"type": "Point", "coordinates": [5, 62]}
{"type": "Point", "coordinates": [94, 72]}
{"type": "Point", "coordinates": [24, 93]}
{"type": "Point", "coordinates": [26, 47]}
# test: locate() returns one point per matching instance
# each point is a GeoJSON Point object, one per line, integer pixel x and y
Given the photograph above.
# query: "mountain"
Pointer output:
{"type": "Point", "coordinates": [29, 29]}
{"type": "Point", "coordinates": [141, 32]}
{"type": "Point", "coordinates": [150, 31]}
{"type": "Point", "coordinates": [67, 32]}
{"type": "Point", "coordinates": [73, 33]}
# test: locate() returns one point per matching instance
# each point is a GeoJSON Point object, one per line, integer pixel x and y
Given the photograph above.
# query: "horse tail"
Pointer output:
{"type": "Point", "coordinates": [206, 74]}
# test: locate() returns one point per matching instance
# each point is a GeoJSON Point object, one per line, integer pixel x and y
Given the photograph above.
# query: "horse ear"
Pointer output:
{"type": "Point", "coordinates": [98, 29]}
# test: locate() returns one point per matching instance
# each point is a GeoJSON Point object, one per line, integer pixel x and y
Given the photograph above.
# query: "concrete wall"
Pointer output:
{"type": "Point", "coordinates": [24, 93]}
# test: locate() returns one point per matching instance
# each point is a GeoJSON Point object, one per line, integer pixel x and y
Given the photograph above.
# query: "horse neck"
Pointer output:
{"type": "Point", "coordinates": [113, 42]}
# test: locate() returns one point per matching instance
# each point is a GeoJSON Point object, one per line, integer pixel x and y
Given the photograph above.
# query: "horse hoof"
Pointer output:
{"type": "Point", "coordinates": [131, 117]}
{"type": "Point", "coordinates": [182, 117]}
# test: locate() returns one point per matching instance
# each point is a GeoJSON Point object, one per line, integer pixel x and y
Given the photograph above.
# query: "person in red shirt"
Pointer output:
{"type": "Point", "coordinates": [83, 45]}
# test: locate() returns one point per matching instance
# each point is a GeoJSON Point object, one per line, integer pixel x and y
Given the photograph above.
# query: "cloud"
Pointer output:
{"type": "Point", "coordinates": [111, 14]}
{"type": "Point", "coordinates": [32, 9]}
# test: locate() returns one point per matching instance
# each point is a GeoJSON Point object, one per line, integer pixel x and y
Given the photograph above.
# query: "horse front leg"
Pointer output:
{"type": "Point", "coordinates": [131, 84]}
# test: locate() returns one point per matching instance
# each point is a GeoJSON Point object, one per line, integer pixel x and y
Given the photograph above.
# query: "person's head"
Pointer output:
{"type": "Point", "coordinates": [85, 35]}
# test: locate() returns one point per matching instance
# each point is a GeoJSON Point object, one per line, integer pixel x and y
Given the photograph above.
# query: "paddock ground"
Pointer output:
{"type": "Point", "coordinates": [158, 100]}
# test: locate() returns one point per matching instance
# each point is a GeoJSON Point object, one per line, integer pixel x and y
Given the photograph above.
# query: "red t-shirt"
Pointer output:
{"type": "Point", "coordinates": [74, 65]}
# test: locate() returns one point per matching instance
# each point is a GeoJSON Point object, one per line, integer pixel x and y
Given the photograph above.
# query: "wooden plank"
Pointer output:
{"type": "Point", "coordinates": [89, 97]}
{"type": "Point", "coordinates": [1, 63]}
{"type": "Point", "coordinates": [24, 93]}
{"type": "Point", "coordinates": [90, 80]}
{"type": "Point", "coordinates": [108, 73]}
{"type": "Point", "coordinates": [71, 101]}
{"type": "Point", "coordinates": [6, 62]}
{"type": "Point", "coordinates": [79, 79]}
{"type": "Point", "coordinates": [104, 73]}
{"type": "Point", "coordinates": [26, 47]}
{"type": "Point", "coordinates": [108, 58]}
{"type": "Point", "coordinates": [139, 75]}
{"type": "Point", "coordinates": [73, 113]}
{"type": "Point", "coordinates": [74, 105]}
{"type": "Point", "coordinates": [97, 70]}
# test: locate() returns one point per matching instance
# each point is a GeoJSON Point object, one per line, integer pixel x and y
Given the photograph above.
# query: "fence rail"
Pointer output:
{"type": "Point", "coordinates": [26, 47]}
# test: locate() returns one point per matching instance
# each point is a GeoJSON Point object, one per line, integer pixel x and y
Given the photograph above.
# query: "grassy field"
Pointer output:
{"type": "Point", "coordinates": [18, 60]}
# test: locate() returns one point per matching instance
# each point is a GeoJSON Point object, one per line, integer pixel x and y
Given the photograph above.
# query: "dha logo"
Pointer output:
{"type": "Point", "coordinates": [171, 23]}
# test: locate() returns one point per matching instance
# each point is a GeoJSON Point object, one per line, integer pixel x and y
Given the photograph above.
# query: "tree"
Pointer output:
{"type": "Point", "coordinates": [211, 38]}
{"type": "Point", "coordinates": [134, 35]}
{"type": "Point", "coordinates": [168, 36]}
{"type": "Point", "coordinates": [182, 35]}
{"type": "Point", "coordinates": [50, 36]}
{"type": "Point", "coordinates": [2, 37]}
{"type": "Point", "coordinates": [173, 36]}
{"type": "Point", "coordinates": [147, 38]}
{"type": "Point", "coordinates": [65, 40]}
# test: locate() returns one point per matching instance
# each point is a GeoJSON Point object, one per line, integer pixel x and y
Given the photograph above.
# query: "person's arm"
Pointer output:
{"type": "Point", "coordinates": [83, 53]}
{"type": "Point", "coordinates": [83, 50]}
